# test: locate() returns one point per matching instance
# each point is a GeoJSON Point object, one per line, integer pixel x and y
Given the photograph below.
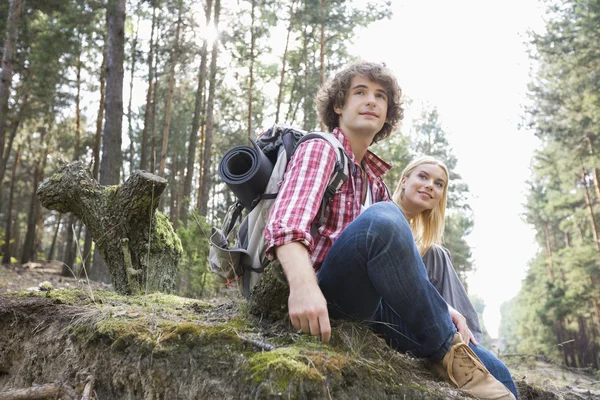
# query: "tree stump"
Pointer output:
{"type": "Point", "coordinates": [269, 298]}
{"type": "Point", "coordinates": [137, 242]}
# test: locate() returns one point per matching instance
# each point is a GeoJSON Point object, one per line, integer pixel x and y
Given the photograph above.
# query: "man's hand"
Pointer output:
{"type": "Point", "coordinates": [308, 311]}
{"type": "Point", "coordinates": [306, 305]}
{"type": "Point", "coordinates": [461, 326]}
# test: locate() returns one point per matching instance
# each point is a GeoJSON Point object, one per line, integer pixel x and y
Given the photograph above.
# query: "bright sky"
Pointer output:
{"type": "Point", "coordinates": [468, 58]}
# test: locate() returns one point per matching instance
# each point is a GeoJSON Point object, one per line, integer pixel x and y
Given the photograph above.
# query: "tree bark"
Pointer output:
{"type": "Point", "coordinates": [251, 83]}
{"type": "Point", "coordinates": [588, 203]}
{"type": "Point", "coordinates": [43, 392]}
{"type": "Point", "coordinates": [132, 76]}
{"type": "Point", "coordinates": [100, 118]}
{"type": "Point", "coordinates": [548, 252]}
{"type": "Point", "coordinates": [138, 243]}
{"type": "Point", "coordinates": [54, 239]}
{"type": "Point", "coordinates": [198, 112]}
{"type": "Point", "coordinates": [148, 110]}
{"type": "Point", "coordinates": [27, 252]}
{"type": "Point", "coordinates": [15, 125]}
{"type": "Point", "coordinates": [111, 137]}
{"type": "Point", "coordinates": [322, 43]}
{"type": "Point", "coordinates": [203, 204]}
{"type": "Point", "coordinates": [169, 100]}
{"type": "Point", "coordinates": [8, 233]}
{"type": "Point", "coordinates": [284, 62]}
{"type": "Point", "coordinates": [110, 163]}
{"type": "Point", "coordinates": [6, 67]}
{"type": "Point", "coordinates": [68, 258]}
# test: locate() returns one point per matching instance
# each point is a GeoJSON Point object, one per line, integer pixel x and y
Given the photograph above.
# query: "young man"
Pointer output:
{"type": "Point", "coordinates": [368, 266]}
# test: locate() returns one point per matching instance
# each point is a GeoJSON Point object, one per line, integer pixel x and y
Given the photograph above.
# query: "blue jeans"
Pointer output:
{"type": "Point", "coordinates": [374, 273]}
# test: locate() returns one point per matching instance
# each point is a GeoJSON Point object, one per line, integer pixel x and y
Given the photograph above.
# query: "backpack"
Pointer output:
{"type": "Point", "coordinates": [254, 173]}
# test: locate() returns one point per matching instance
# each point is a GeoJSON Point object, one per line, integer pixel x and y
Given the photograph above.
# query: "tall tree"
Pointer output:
{"type": "Point", "coordinates": [208, 136]}
{"type": "Point", "coordinates": [111, 137]}
{"type": "Point", "coordinates": [6, 253]}
{"type": "Point", "coordinates": [6, 71]}
{"type": "Point", "coordinates": [149, 96]}
{"type": "Point", "coordinates": [198, 112]}
{"type": "Point", "coordinates": [115, 54]}
{"type": "Point", "coordinates": [171, 88]}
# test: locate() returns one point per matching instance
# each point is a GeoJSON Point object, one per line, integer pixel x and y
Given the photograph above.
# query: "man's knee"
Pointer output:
{"type": "Point", "coordinates": [386, 218]}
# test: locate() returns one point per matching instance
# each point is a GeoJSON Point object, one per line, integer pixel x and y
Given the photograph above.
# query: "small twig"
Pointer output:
{"type": "Point", "coordinates": [261, 344]}
{"type": "Point", "coordinates": [87, 390]}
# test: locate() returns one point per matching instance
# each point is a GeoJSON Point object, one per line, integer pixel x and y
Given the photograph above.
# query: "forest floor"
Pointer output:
{"type": "Point", "coordinates": [136, 347]}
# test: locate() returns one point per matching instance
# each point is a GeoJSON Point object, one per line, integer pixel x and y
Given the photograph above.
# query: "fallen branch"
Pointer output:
{"type": "Point", "coordinates": [33, 393]}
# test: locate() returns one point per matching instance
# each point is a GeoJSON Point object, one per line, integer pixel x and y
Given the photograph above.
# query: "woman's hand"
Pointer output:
{"type": "Point", "coordinates": [461, 326]}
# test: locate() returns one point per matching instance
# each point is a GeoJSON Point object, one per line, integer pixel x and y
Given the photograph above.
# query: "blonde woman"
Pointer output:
{"type": "Point", "coordinates": [421, 195]}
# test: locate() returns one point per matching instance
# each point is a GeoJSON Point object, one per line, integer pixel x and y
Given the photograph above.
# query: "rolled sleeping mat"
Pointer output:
{"type": "Point", "coordinates": [246, 171]}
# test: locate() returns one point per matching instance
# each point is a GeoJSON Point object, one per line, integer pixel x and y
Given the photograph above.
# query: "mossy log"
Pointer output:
{"type": "Point", "coordinates": [137, 242]}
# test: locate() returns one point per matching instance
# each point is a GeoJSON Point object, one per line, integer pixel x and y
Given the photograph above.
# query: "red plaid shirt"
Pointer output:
{"type": "Point", "coordinates": [302, 189]}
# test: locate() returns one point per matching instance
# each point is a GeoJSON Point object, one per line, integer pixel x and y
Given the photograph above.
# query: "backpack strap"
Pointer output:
{"type": "Point", "coordinates": [340, 173]}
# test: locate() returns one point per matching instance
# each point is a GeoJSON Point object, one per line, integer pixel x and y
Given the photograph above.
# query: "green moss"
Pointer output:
{"type": "Point", "coordinates": [164, 237]}
{"type": "Point", "coordinates": [111, 189]}
{"type": "Point", "coordinates": [56, 177]}
{"type": "Point", "coordinates": [282, 367]}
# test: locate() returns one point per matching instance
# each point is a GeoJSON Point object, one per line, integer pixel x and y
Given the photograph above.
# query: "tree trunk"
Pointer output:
{"type": "Point", "coordinates": [27, 252]}
{"type": "Point", "coordinates": [52, 250]}
{"type": "Point", "coordinates": [132, 76]}
{"type": "Point", "coordinates": [284, 61]}
{"type": "Point", "coordinates": [548, 252]}
{"type": "Point", "coordinates": [592, 153]}
{"type": "Point", "coordinates": [198, 111]}
{"type": "Point", "coordinates": [86, 261]}
{"type": "Point", "coordinates": [322, 43]}
{"type": "Point", "coordinates": [15, 125]}
{"type": "Point", "coordinates": [148, 110]}
{"type": "Point", "coordinates": [111, 137]}
{"type": "Point", "coordinates": [100, 118]}
{"type": "Point", "coordinates": [6, 67]}
{"type": "Point", "coordinates": [8, 233]}
{"type": "Point", "coordinates": [68, 259]}
{"type": "Point", "coordinates": [169, 100]}
{"type": "Point", "coordinates": [251, 83]}
{"type": "Point", "coordinates": [201, 169]}
{"type": "Point", "coordinates": [306, 73]}
{"type": "Point", "coordinates": [153, 118]}
{"type": "Point", "coordinates": [588, 203]}
{"type": "Point", "coordinates": [139, 245]}
{"type": "Point", "coordinates": [203, 204]}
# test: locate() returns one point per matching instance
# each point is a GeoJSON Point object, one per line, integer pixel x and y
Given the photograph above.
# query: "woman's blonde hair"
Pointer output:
{"type": "Point", "coordinates": [428, 225]}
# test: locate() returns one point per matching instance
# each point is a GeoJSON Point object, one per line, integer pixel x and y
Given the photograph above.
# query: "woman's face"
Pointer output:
{"type": "Point", "coordinates": [423, 188]}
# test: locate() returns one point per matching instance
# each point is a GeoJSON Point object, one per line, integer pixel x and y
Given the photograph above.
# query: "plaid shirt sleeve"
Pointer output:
{"type": "Point", "coordinates": [300, 194]}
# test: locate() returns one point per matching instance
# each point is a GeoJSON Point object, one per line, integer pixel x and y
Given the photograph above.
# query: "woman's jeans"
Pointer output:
{"type": "Point", "coordinates": [374, 273]}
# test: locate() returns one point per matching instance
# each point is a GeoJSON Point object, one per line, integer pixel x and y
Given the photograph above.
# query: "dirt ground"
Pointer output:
{"type": "Point", "coordinates": [536, 378]}
{"type": "Point", "coordinates": [17, 277]}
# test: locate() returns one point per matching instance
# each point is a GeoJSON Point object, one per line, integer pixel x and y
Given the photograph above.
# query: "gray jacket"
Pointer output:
{"type": "Point", "coordinates": [443, 277]}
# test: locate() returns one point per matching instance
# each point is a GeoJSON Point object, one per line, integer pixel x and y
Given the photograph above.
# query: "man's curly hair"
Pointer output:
{"type": "Point", "coordinates": [333, 94]}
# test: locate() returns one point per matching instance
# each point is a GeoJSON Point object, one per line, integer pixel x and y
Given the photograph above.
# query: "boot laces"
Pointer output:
{"type": "Point", "coordinates": [466, 360]}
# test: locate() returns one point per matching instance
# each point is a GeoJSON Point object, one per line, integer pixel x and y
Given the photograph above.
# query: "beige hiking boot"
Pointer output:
{"type": "Point", "coordinates": [464, 369]}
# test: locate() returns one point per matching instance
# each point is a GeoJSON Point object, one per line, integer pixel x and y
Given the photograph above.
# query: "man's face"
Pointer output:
{"type": "Point", "coordinates": [365, 108]}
